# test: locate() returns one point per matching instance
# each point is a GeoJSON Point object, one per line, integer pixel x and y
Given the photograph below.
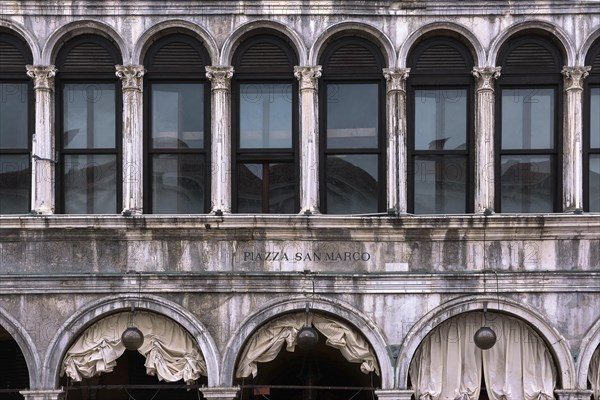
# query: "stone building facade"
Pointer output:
{"type": "Point", "coordinates": [374, 225]}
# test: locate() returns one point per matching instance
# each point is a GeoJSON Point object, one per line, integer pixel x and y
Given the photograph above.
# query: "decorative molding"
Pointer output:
{"type": "Point", "coordinates": [485, 76]}
{"type": "Point", "coordinates": [42, 75]}
{"type": "Point", "coordinates": [308, 76]}
{"type": "Point", "coordinates": [220, 77]}
{"type": "Point", "coordinates": [220, 393]}
{"type": "Point", "coordinates": [396, 78]}
{"type": "Point", "coordinates": [574, 77]}
{"type": "Point", "coordinates": [41, 394]}
{"type": "Point", "coordinates": [131, 76]}
{"type": "Point", "coordinates": [573, 394]}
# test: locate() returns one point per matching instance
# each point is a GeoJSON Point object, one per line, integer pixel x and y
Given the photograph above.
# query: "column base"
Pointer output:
{"type": "Point", "coordinates": [394, 394]}
{"type": "Point", "coordinates": [41, 394]}
{"type": "Point", "coordinates": [220, 393]}
{"type": "Point", "coordinates": [573, 394]}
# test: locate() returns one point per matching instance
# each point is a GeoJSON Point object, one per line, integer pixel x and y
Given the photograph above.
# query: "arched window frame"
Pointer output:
{"type": "Point", "coordinates": [526, 80]}
{"type": "Point", "coordinates": [89, 74]}
{"type": "Point", "coordinates": [591, 200]}
{"type": "Point", "coordinates": [15, 82]}
{"type": "Point", "coordinates": [264, 74]}
{"type": "Point", "coordinates": [352, 73]}
{"type": "Point", "coordinates": [181, 72]}
{"type": "Point", "coordinates": [445, 80]}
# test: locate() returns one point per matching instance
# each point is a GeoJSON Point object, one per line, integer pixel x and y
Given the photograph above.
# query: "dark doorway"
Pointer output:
{"type": "Point", "coordinates": [13, 368]}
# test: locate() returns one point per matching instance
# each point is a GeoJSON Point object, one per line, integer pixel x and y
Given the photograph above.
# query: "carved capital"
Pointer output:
{"type": "Point", "coordinates": [131, 76]}
{"type": "Point", "coordinates": [220, 77]}
{"type": "Point", "coordinates": [396, 78]}
{"type": "Point", "coordinates": [574, 77]}
{"type": "Point", "coordinates": [42, 75]}
{"type": "Point", "coordinates": [308, 76]}
{"type": "Point", "coordinates": [485, 76]}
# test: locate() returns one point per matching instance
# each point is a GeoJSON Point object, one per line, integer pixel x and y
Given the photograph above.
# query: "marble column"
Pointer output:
{"type": "Point", "coordinates": [573, 394]}
{"type": "Point", "coordinates": [572, 131]}
{"type": "Point", "coordinates": [43, 144]}
{"type": "Point", "coordinates": [484, 138]}
{"type": "Point", "coordinates": [220, 393]}
{"type": "Point", "coordinates": [133, 137]}
{"type": "Point", "coordinates": [41, 394]}
{"type": "Point", "coordinates": [220, 78]}
{"type": "Point", "coordinates": [309, 138]}
{"type": "Point", "coordinates": [397, 158]}
{"type": "Point", "coordinates": [394, 394]}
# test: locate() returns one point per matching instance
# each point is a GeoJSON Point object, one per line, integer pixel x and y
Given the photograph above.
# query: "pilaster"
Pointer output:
{"type": "Point", "coordinates": [41, 394]}
{"type": "Point", "coordinates": [484, 138]}
{"type": "Point", "coordinates": [397, 159]}
{"type": "Point", "coordinates": [220, 393]}
{"type": "Point", "coordinates": [572, 131]}
{"type": "Point", "coordinates": [220, 78]}
{"type": "Point", "coordinates": [308, 78]}
{"type": "Point", "coordinates": [43, 157]}
{"type": "Point", "coordinates": [133, 134]}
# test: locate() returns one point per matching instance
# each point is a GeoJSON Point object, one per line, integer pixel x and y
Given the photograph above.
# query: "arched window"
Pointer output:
{"type": "Point", "coordinates": [591, 140]}
{"type": "Point", "coordinates": [352, 110]}
{"type": "Point", "coordinates": [16, 125]}
{"type": "Point", "coordinates": [89, 127]}
{"type": "Point", "coordinates": [529, 126]}
{"type": "Point", "coordinates": [177, 109]}
{"type": "Point", "coordinates": [440, 106]}
{"type": "Point", "coordinates": [265, 126]}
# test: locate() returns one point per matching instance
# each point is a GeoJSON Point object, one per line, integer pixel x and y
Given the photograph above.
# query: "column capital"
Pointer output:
{"type": "Point", "coordinates": [573, 394]}
{"type": "Point", "coordinates": [220, 393]}
{"type": "Point", "coordinates": [574, 77]}
{"type": "Point", "coordinates": [485, 76]}
{"type": "Point", "coordinates": [41, 394]}
{"type": "Point", "coordinates": [396, 78]}
{"type": "Point", "coordinates": [220, 77]}
{"type": "Point", "coordinates": [308, 76]}
{"type": "Point", "coordinates": [131, 76]}
{"type": "Point", "coordinates": [42, 75]}
{"type": "Point", "coordinates": [394, 394]}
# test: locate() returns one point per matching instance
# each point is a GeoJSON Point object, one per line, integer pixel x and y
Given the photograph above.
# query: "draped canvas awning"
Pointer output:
{"type": "Point", "coordinates": [170, 351]}
{"type": "Point", "coordinates": [448, 365]}
{"type": "Point", "coordinates": [266, 343]}
{"type": "Point", "coordinates": [594, 374]}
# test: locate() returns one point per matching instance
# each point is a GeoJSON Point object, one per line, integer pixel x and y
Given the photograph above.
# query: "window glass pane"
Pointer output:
{"type": "Point", "coordinates": [178, 115]}
{"type": "Point", "coordinates": [595, 119]}
{"type": "Point", "coordinates": [352, 184]}
{"type": "Point", "coordinates": [14, 184]}
{"type": "Point", "coordinates": [89, 116]}
{"type": "Point", "coordinates": [594, 182]}
{"type": "Point", "coordinates": [528, 118]}
{"type": "Point", "coordinates": [526, 184]}
{"type": "Point", "coordinates": [178, 184]}
{"type": "Point", "coordinates": [282, 194]}
{"type": "Point", "coordinates": [250, 188]}
{"type": "Point", "coordinates": [440, 185]}
{"type": "Point", "coordinates": [265, 116]}
{"type": "Point", "coordinates": [352, 116]}
{"type": "Point", "coordinates": [90, 184]}
{"type": "Point", "coordinates": [13, 116]}
{"type": "Point", "coordinates": [440, 119]}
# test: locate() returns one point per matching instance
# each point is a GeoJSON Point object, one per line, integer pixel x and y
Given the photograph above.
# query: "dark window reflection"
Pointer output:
{"type": "Point", "coordinates": [352, 184]}
{"type": "Point", "coordinates": [594, 183]}
{"type": "Point", "coordinates": [90, 184]}
{"type": "Point", "coordinates": [528, 118]}
{"type": "Point", "coordinates": [13, 116]}
{"type": "Point", "coordinates": [440, 184]}
{"type": "Point", "coordinates": [265, 115]}
{"type": "Point", "coordinates": [178, 183]}
{"type": "Point", "coordinates": [352, 116]}
{"type": "Point", "coordinates": [440, 119]}
{"type": "Point", "coordinates": [594, 159]}
{"type": "Point", "coordinates": [526, 183]}
{"type": "Point", "coordinates": [14, 184]}
{"type": "Point", "coordinates": [266, 188]}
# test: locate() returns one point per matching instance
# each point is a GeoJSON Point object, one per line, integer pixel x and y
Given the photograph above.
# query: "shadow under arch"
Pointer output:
{"type": "Point", "coordinates": [589, 344]}
{"type": "Point", "coordinates": [232, 41]}
{"type": "Point", "coordinates": [368, 31]}
{"type": "Point", "coordinates": [466, 36]}
{"type": "Point", "coordinates": [173, 26]}
{"type": "Point", "coordinates": [557, 344]}
{"type": "Point", "coordinates": [334, 307]}
{"type": "Point", "coordinates": [26, 345]}
{"type": "Point", "coordinates": [76, 28]}
{"type": "Point", "coordinates": [586, 47]}
{"type": "Point", "coordinates": [23, 33]}
{"type": "Point", "coordinates": [77, 323]}
{"type": "Point", "coordinates": [564, 43]}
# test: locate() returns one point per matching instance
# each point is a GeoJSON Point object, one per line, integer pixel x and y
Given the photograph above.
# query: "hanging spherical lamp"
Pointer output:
{"type": "Point", "coordinates": [485, 338]}
{"type": "Point", "coordinates": [307, 338]}
{"type": "Point", "coordinates": [132, 338]}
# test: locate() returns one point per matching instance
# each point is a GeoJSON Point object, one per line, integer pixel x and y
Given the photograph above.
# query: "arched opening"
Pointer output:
{"type": "Point", "coordinates": [594, 374]}
{"type": "Point", "coordinates": [449, 364]}
{"type": "Point", "coordinates": [591, 137]}
{"type": "Point", "coordinates": [341, 365]}
{"type": "Point", "coordinates": [14, 375]}
{"type": "Point", "coordinates": [167, 366]}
